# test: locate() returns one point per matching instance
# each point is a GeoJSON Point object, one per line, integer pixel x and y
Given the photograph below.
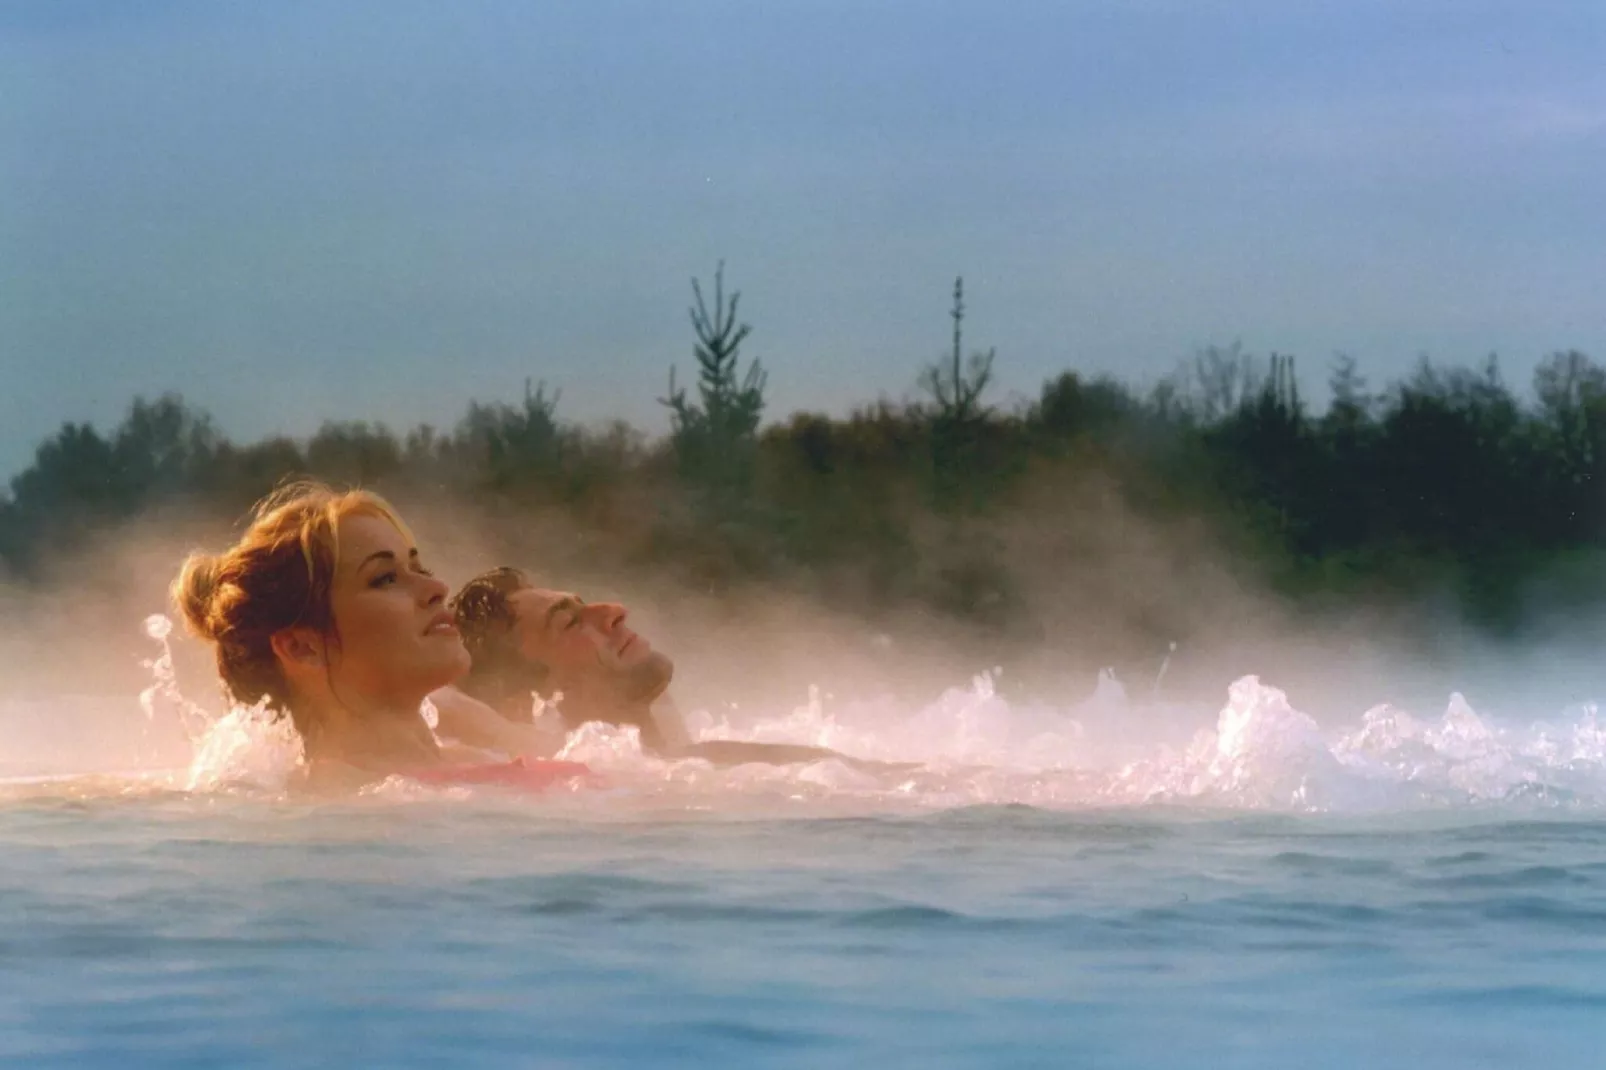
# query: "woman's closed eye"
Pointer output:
{"type": "Point", "coordinates": [390, 576]}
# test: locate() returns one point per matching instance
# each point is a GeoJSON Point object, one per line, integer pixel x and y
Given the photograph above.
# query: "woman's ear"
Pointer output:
{"type": "Point", "coordinates": [300, 648]}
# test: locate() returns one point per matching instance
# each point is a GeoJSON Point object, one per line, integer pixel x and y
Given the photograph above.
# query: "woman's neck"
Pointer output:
{"type": "Point", "coordinates": [376, 738]}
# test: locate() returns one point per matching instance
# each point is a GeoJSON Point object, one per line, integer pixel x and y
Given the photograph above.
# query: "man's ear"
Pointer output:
{"type": "Point", "coordinates": [300, 648]}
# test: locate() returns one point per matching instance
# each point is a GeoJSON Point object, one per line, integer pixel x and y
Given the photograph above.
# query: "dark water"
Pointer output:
{"type": "Point", "coordinates": [222, 930]}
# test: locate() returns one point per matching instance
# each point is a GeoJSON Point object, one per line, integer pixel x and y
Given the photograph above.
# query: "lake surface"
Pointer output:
{"type": "Point", "coordinates": [182, 931]}
{"type": "Point", "coordinates": [1414, 891]}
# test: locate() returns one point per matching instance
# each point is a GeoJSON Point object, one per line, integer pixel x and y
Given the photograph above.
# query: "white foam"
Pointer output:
{"type": "Point", "coordinates": [970, 745]}
{"type": "Point", "coordinates": [247, 748]}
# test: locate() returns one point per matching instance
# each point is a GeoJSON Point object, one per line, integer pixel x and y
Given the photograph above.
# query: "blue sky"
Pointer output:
{"type": "Point", "coordinates": [301, 211]}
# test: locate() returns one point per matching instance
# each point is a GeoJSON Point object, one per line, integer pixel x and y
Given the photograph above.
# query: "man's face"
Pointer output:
{"type": "Point", "coordinates": [587, 648]}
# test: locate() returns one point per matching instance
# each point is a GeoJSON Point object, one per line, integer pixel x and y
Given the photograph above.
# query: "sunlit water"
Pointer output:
{"type": "Point", "coordinates": [1047, 886]}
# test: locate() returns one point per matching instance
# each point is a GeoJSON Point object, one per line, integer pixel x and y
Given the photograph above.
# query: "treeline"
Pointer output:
{"type": "Point", "coordinates": [1444, 481]}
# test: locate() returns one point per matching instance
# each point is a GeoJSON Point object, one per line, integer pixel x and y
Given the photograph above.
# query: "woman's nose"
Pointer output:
{"type": "Point", "coordinates": [433, 589]}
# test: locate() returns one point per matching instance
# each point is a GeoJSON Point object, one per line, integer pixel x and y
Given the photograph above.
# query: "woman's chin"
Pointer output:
{"type": "Point", "coordinates": [447, 667]}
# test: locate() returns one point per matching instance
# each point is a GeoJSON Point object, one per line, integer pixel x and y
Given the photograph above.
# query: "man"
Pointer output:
{"type": "Point", "coordinates": [527, 641]}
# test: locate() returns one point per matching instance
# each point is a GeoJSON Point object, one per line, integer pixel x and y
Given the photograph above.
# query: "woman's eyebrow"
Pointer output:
{"type": "Point", "coordinates": [378, 555]}
{"type": "Point", "coordinates": [387, 555]}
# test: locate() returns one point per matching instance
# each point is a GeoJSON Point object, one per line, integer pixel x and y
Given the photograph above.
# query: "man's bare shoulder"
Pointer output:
{"type": "Point", "coordinates": [465, 719]}
{"type": "Point", "coordinates": [454, 697]}
{"type": "Point", "coordinates": [462, 716]}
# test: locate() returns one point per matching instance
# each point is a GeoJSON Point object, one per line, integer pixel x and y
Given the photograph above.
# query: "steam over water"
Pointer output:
{"type": "Point", "coordinates": [971, 747]}
{"type": "Point", "coordinates": [1106, 881]}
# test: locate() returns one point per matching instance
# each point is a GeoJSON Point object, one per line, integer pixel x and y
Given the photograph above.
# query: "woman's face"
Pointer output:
{"type": "Point", "coordinates": [394, 640]}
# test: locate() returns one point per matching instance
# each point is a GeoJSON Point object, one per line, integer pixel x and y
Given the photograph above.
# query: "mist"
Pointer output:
{"type": "Point", "coordinates": [1401, 547]}
{"type": "Point", "coordinates": [1099, 587]}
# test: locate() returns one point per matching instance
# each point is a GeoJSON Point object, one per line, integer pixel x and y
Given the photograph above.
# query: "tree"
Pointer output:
{"type": "Point", "coordinates": [1455, 470]}
{"type": "Point", "coordinates": [69, 489]}
{"type": "Point", "coordinates": [1223, 380]}
{"type": "Point", "coordinates": [958, 419]}
{"type": "Point", "coordinates": [1347, 508]}
{"type": "Point", "coordinates": [354, 452]}
{"type": "Point", "coordinates": [1571, 390]}
{"type": "Point", "coordinates": [1266, 447]}
{"type": "Point", "coordinates": [957, 387]}
{"type": "Point", "coordinates": [715, 436]}
{"type": "Point", "coordinates": [514, 447]}
{"type": "Point", "coordinates": [158, 449]}
{"type": "Point", "coordinates": [1351, 407]}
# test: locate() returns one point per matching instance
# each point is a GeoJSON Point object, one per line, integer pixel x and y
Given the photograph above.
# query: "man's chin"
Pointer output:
{"type": "Point", "coordinates": [651, 677]}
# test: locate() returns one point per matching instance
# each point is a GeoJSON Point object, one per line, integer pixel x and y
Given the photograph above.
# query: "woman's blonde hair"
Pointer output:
{"type": "Point", "coordinates": [277, 576]}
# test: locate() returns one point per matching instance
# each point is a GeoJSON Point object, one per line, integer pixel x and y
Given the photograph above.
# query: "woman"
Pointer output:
{"type": "Point", "coordinates": [324, 610]}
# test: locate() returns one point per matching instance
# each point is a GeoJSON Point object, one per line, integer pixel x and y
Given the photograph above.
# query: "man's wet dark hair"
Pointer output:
{"type": "Point", "coordinates": [500, 676]}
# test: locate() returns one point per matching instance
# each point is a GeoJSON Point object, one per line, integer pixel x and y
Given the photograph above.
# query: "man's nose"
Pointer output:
{"type": "Point", "coordinates": [607, 615]}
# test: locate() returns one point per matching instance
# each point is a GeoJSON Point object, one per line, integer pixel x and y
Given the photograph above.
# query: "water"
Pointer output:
{"type": "Point", "coordinates": [1050, 887]}
{"type": "Point", "coordinates": [183, 931]}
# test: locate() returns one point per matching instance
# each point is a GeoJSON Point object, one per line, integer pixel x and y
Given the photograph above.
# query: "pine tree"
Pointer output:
{"type": "Point", "coordinates": [716, 435]}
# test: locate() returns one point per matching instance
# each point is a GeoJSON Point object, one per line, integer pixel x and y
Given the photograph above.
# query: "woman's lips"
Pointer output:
{"type": "Point", "coordinates": [441, 624]}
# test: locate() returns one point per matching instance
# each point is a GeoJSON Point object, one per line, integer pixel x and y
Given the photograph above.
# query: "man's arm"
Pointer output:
{"type": "Point", "coordinates": [470, 721]}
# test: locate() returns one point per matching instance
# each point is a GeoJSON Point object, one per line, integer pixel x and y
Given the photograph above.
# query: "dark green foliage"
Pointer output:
{"type": "Point", "coordinates": [80, 482]}
{"type": "Point", "coordinates": [355, 453]}
{"type": "Point", "coordinates": [512, 449]}
{"type": "Point", "coordinates": [1071, 411]}
{"type": "Point", "coordinates": [1445, 481]}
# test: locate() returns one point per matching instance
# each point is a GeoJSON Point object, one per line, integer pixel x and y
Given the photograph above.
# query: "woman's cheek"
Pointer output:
{"type": "Point", "coordinates": [375, 629]}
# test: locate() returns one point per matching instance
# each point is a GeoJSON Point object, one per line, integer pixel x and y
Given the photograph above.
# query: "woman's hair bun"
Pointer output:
{"type": "Point", "coordinates": [194, 592]}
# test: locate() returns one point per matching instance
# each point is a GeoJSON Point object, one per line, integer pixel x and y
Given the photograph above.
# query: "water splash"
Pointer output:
{"type": "Point", "coordinates": [163, 694]}
{"type": "Point", "coordinates": [250, 747]}
{"type": "Point", "coordinates": [246, 746]}
{"type": "Point", "coordinates": [971, 745]}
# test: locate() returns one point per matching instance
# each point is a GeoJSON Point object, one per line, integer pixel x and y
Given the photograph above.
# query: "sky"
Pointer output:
{"type": "Point", "coordinates": [302, 211]}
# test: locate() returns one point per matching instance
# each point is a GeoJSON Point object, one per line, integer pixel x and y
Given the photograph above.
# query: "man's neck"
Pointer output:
{"type": "Point", "coordinates": [656, 718]}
